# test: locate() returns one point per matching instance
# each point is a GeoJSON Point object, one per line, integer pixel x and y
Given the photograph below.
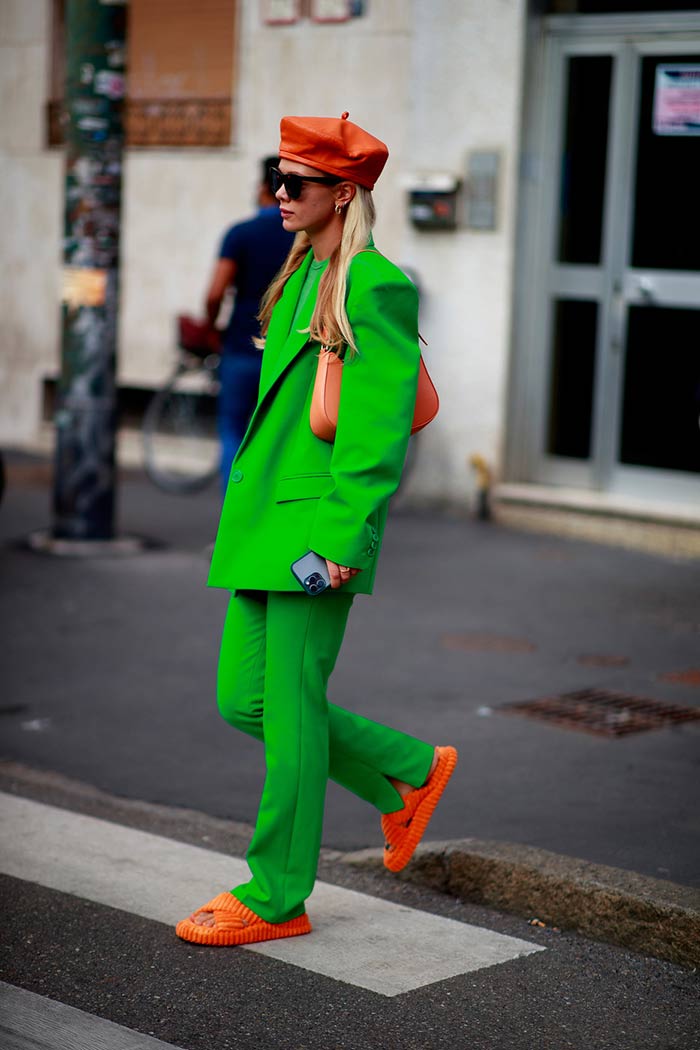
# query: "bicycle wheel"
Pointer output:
{"type": "Point", "coordinates": [180, 439]}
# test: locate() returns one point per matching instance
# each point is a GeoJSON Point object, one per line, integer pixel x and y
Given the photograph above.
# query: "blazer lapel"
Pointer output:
{"type": "Point", "coordinates": [281, 344]}
{"type": "Point", "coordinates": [280, 335]}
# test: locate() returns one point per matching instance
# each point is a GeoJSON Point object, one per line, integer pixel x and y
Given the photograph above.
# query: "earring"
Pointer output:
{"type": "Point", "coordinates": [338, 208]}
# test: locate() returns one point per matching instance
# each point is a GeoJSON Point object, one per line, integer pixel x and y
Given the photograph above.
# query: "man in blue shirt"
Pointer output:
{"type": "Point", "coordinates": [251, 254]}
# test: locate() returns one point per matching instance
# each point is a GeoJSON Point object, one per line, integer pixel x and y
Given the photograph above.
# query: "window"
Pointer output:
{"type": "Point", "coordinates": [181, 72]}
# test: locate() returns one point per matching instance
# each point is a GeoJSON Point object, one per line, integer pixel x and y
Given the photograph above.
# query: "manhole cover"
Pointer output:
{"type": "Point", "coordinates": [486, 643]}
{"type": "Point", "coordinates": [602, 712]}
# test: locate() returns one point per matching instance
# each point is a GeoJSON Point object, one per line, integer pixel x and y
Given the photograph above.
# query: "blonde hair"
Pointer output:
{"type": "Point", "coordinates": [329, 322]}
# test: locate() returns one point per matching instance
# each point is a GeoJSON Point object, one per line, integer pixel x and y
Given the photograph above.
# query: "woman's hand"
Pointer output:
{"type": "Point", "coordinates": [340, 574]}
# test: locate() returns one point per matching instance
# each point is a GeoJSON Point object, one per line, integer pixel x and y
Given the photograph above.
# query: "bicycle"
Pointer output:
{"type": "Point", "coordinates": [179, 431]}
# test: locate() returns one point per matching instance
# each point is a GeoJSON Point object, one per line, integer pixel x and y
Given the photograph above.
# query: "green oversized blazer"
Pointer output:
{"type": "Point", "coordinates": [290, 492]}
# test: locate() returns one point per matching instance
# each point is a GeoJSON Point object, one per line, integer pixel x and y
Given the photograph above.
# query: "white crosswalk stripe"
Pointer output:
{"type": "Point", "coordinates": [367, 942]}
{"type": "Point", "coordinates": [32, 1022]}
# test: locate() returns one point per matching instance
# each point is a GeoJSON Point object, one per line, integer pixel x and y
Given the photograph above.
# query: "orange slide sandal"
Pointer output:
{"type": "Point", "coordinates": [404, 829]}
{"type": "Point", "coordinates": [234, 923]}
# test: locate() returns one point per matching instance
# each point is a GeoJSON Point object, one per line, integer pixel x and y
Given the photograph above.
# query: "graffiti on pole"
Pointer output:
{"type": "Point", "coordinates": [86, 413]}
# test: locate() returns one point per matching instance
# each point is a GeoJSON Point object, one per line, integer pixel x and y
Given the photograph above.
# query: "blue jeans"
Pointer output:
{"type": "Point", "coordinates": [239, 375]}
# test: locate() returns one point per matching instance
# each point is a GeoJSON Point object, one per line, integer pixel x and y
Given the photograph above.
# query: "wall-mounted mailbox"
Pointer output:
{"type": "Point", "coordinates": [433, 200]}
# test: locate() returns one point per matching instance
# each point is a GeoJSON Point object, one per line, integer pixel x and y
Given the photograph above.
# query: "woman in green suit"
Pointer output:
{"type": "Point", "coordinates": [291, 493]}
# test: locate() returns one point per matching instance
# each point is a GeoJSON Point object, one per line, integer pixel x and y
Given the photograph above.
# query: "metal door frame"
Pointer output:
{"type": "Point", "coordinates": [539, 279]}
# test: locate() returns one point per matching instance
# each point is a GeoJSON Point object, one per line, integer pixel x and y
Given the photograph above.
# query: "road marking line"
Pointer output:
{"type": "Point", "coordinates": [371, 943]}
{"type": "Point", "coordinates": [32, 1022]}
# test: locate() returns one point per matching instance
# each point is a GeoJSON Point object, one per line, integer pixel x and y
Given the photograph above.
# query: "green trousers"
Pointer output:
{"type": "Point", "coordinates": [276, 658]}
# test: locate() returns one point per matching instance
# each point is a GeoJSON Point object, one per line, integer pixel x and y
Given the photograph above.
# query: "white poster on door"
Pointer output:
{"type": "Point", "coordinates": [677, 100]}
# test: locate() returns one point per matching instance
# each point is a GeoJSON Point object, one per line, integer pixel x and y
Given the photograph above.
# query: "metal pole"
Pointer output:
{"type": "Point", "coordinates": [84, 478]}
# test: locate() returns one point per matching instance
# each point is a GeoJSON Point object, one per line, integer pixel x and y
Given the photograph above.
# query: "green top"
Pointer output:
{"type": "Point", "coordinates": [313, 275]}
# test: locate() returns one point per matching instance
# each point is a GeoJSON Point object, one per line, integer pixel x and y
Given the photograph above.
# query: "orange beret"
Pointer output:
{"type": "Point", "coordinates": [334, 146]}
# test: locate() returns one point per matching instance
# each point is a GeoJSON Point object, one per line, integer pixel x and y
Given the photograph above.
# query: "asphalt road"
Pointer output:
{"type": "Point", "coordinates": [110, 667]}
{"type": "Point", "coordinates": [108, 679]}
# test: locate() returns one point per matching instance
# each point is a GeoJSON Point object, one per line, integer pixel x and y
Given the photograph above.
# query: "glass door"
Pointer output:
{"type": "Point", "coordinates": [612, 308]}
{"type": "Point", "coordinates": [657, 289]}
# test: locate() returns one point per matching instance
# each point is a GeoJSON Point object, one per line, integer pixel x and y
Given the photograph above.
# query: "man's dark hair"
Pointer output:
{"type": "Point", "coordinates": [267, 163]}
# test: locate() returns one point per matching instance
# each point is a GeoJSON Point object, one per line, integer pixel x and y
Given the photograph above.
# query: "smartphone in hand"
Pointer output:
{"type": "Point", "coordinates": [312, 573]}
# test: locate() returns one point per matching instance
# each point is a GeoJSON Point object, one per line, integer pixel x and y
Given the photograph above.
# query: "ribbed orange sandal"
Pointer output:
{"type": "Point", "coordinates": [234, 923]}
{"type": "Point", "coordinates": [404, 829]}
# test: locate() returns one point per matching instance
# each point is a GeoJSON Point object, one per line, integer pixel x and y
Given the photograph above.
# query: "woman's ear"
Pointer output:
{"type": "Point", "coordinates": [344, 193]}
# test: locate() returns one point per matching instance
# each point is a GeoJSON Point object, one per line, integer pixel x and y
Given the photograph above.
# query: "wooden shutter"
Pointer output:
{"type": "Point", "coordinates": [180, 72]}
{"type": "Point", "coordinates": [57, 75]}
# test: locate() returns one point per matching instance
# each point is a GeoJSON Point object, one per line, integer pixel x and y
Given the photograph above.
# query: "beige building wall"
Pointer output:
{"type": "Point", "coordinates": [465, 97]}
{"type": "Point", "coordinates": [30, 220]}
{"type": "Point", "coordinates": [434, 80]}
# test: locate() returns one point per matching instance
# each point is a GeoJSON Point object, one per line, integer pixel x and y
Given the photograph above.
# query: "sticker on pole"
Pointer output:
{"type": "Point", "coordinates": [677, 100]}
{"type": "Point", "coordinates": [83, 286]}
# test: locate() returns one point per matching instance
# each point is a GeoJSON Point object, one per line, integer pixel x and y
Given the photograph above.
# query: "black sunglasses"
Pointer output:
{"type": "Point", "coordinates": [294, 183]}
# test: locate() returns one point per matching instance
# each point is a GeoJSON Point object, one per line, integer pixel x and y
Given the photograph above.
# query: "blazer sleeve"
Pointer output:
{"type": "Point", "coordinates": [377, 400]}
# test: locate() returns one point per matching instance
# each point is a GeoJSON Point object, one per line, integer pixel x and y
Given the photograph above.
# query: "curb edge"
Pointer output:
{"type": "Point", "coordinates": [633, 911]}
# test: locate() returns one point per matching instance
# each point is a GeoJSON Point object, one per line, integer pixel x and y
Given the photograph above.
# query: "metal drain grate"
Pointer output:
{"type": "Point", "coordinates": [602, 712]}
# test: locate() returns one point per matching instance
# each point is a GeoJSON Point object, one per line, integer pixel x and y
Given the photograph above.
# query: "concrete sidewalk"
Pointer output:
{"type": "Point", "coordinates": [110, 671]}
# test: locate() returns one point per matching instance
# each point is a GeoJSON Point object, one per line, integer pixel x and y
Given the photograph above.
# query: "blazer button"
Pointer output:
{"type": "Point", "coordinates": [236, 476]}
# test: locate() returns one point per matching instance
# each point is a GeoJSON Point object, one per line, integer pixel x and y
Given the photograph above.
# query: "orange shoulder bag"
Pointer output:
{"type": "Point", "coordinates": [325, 400]}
